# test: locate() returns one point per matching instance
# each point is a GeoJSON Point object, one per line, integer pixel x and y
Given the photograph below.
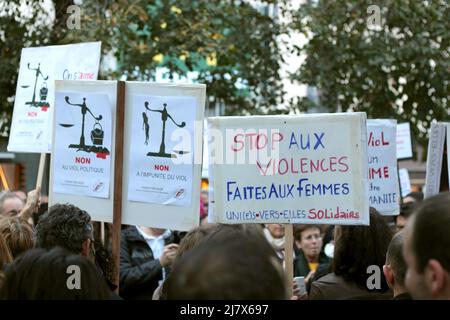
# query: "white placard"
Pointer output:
{"type": "Point", "coordinates": [161, 151]}
{"type": "Point", "coordinates": [404, 148]}
{"type": "Point", "coordinates": [99, 96]}
{"type": "Point", "coordinates": [172, 168]}
{"type": "Point", "coordinates": [31, 127]}
{"type": "Point", "coordinates": [289, 169]}
{"type": "Point", "coordinates": [82, 151]}
{"type": "Point", "coordinates": [434, 159]}
{"type": "Point", "coordinates": [383, 178]}
{"type": "Point", "coordinates": [404, 182]}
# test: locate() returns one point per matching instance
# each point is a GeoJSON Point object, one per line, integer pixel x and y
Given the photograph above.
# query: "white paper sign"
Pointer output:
{"type": "Point", "coordinates": [404, 182]}
{"type": "Point", "coordinates": [163, 154]}
{"type": "Point", "coordinates": [289, 169]}
{"type": "Point", "coordinates": [383, 179]}
{"type": "Point", "coordinates": [404, 149]}
{"type": "Point", "coordinates": [31, 128]}
{"type": "Point", "coordinates": [434, 159]}
{"type": "Point", "coordinates": [82, 156]}
{"type": "Point", "coordinates": [161, 157]}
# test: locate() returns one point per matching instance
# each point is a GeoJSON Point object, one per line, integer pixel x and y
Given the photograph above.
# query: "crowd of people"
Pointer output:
{"type": "Point", "coordinates": [52, 253]}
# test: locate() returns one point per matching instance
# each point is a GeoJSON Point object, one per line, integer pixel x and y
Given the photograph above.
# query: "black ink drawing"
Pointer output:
{"type": "Point", "coordinates": [97, 133]}
{"type": "Point", "coordinates": [162, 149]}
{"type": "Point", "coordinates": [43, 92]}
{"type": "Point", "coordinates": [145, 126]}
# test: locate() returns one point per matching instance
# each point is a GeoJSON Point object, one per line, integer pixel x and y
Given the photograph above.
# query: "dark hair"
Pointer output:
{"type": "Point", "coordinates": [418, 196]}
{"type": "Point", "coordinates": [358, 247]}
{"type": "Point", "coordinates": [42, 274]}
{"type": "Point", "coordinates": [229, 264]}
{"type": "Point", "coordinates": [407, 209]}
{"type": "Point", "coordinates": [18, 234]}
{"type": "Point", "coordinates": [431, 232]}
{"type": "Point", "coordinates": [300, 228]}
{"type": "Point", "coordinates": [394, 257]}
{"type": "Point", "coordinates": [64, 225]}
{"type": "Point", "coordinates": [105, 262]}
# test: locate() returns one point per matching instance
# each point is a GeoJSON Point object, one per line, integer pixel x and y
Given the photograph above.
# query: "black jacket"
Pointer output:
{"type": "Point", "coordinates": [301, 266]}
{"type": "Point", "coordinates": [140, 272]}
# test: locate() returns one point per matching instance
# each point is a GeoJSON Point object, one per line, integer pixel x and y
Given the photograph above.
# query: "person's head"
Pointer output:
{"type": "Point", "coordinates": [413, 197]}
{"type": "Point", "coordinates": [228, 264]}
{"type": "Point", "coordinates": [66, 226]}
{"type": "Point", "coordinates": [395, 268]}
{"type": "Point", "coordinates": [427, 249]}
{"type": "Point", "coordinates": [358, 247]}
{"type": "Point", "coordinates": [56, 274]}
{"type": "Point", "coordinates": [406, 210]}
{"type": "Point", "coordinates": [193, 238]}
{"type": "Point", "coordinates": [276, 230]}
{"type": "Point", "coordinates": [308, 238]}
{"type": "Point", "coordinates": [21, 194]}
{"type": "Point", "coordinates": [18, 235]}
{"type": "Point", "coordinates": [10, 204]}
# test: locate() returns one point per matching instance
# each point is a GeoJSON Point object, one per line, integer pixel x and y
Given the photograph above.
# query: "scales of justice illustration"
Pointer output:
{"type": "Point", "coordinates": [164, 117]}
{"type": "Point", "coordinates": [97, 132]}
{"type": "Point", "coordinates": [42, 103]}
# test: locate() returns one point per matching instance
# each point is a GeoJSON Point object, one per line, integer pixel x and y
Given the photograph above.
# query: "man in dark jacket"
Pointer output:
{"type": "Point", "coordinates": [145, 256]}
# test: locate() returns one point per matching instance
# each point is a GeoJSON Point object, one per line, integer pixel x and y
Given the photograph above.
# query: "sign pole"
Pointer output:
{"type": "Point", "coordinates": [118, 174]}
{"type": "Point", "coordinates": [40, 175]}
{"type": "Point", "coordinates": [288, 257]}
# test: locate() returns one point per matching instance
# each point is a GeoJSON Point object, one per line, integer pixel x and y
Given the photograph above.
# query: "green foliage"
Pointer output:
{"type": "Point", "coordinates": [397, 70]}
{"type": "Point", "coordinates": [229, 45]}
{"type": "Point", "coordinates": [19, 28]}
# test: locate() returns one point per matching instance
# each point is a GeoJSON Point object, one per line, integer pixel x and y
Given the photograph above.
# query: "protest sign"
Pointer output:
{"type": "Point", "coordinates": [289, 169]}
{"type": "Point", "coordinates": [404, 148]}
{"type": "Point", "coordinates": [405, 183]}
{"type": "Point", "coordinates": [31, 127]}
{"type": "Point", "coordinates": [163, 144]}
{"type": "Point", "coordinates": [438, 132]}
{"type": "Point", "coordinates": [82, 149]}
{"type": "Point", "coordinates": [382, 160]}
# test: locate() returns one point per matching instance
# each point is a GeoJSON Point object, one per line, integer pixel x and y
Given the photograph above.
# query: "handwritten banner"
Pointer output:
{"type": "Point", "coordinates": [289, 169]}
{"type": "Point", "coordinates": [383, 178]}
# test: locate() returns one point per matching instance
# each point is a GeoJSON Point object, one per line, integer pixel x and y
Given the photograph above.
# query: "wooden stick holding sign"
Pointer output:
{"type": "Point", "coordinates": [118, 163]}
{"type": "Point", "coordinates": [40, 175]}
{"type": "Point", "coordinates": [288, 257]}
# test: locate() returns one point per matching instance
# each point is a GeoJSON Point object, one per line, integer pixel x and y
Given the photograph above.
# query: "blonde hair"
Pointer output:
{"type": "Point", "coordinates": [17, 234]}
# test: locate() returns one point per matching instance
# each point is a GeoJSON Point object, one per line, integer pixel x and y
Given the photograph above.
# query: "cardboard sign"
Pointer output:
{"type": "Point", "coordinates": [404, 148]}
{"type": "Point", "coordinates": [434, 159]}
{"type": "Point", "coordinates": [383, 179]}
{"type": "Point", "coordinates": [163, 154]}
{"type": "Point", "coordinates": [31, 127]}
{"type": "Point", "coordinates": [289, 169]}
{"type": "Point", "coordinates": [84, 129]}
{"type": "Point", "coordinates": [405, 184]}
